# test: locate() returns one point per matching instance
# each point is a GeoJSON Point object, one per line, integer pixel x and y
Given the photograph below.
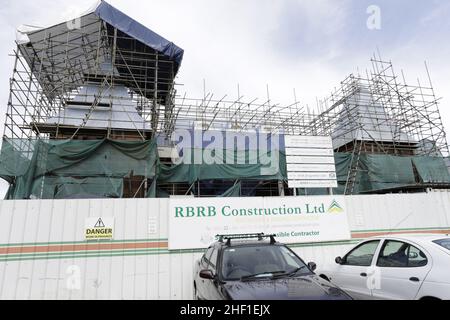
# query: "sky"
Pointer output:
{"type": "Point", "coordinates": [306, 45]}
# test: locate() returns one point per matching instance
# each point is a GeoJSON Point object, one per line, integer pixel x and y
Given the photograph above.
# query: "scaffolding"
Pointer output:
{"type": "Point", "coordinates": [101, 80]}
{"type": "Point", "coordinates": [376, 113]}
{"type": "Point", "coordinates": [383, 111]}
{"type": "Point", "coordinates": [379, 109]}
{"type": "Point", "coordinates": [102, 76]}
{"type": "Point", "coordinates": [92, 81]}
{"type": "Point", "coordinates": [380, 113]}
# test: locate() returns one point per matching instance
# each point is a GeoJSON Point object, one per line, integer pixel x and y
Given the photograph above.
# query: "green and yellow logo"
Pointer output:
{"type": "Point", "coordinates": [335, 207]}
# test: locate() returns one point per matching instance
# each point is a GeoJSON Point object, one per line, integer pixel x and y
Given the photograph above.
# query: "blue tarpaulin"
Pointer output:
{"type": "Point", "coordinates": [134, 29]}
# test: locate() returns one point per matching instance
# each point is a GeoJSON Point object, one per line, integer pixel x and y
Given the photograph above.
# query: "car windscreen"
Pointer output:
{"type": "Point", "coordinates": [250, 261]}
{"type": "Point", "coordinates": [443, 243]}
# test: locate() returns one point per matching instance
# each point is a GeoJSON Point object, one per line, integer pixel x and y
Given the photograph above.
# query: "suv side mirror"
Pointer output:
{"type": "Point", "coordinates": [339, 260]}
{"type": "Point", "coordinates": [312, 266]}
{"type": "Point", "coordinates": [207, 274]}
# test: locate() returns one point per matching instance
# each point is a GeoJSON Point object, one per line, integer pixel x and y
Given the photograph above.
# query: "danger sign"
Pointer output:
{"type": "Point", "coordinates": [99, 229]}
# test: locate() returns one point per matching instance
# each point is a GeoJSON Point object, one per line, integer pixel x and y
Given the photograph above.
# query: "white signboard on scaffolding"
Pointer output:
{"type": "Point", "coordinates": [310, 162]}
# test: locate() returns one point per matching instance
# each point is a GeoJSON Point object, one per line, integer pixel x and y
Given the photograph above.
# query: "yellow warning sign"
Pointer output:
{"type": "Point", "coordinates": [99, 229]}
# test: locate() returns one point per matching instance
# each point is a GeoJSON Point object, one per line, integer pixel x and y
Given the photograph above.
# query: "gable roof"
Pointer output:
{"type": "Point", "coordinates": [134, 29]}
{"type": "Point", "coordinates": [70, 53]}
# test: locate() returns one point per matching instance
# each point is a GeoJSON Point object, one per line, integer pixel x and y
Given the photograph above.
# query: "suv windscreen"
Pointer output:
{"type": "Point", "coordinates": [443, 243]}
{"type": "Point", "coordinates": [247, 261]}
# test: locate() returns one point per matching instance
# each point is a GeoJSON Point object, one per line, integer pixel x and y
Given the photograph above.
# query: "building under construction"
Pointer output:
{"type": "Point", "coordinates": [93, 105]}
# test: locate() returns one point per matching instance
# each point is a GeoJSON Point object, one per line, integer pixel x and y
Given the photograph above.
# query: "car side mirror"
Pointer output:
{"type": "Point", "coordinates": [339, 260]}
{"type": "Point", "coordinates": [207, 274]}
{"type": "Point", "coordinates": [312, 266]}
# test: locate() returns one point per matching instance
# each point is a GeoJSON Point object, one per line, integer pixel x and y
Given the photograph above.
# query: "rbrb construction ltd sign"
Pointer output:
{"type": "Point", "coordinates": [194, 223]}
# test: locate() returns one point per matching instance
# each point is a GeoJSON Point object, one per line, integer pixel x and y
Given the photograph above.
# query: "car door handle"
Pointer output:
{"type": "Point", "coordinates": [414, 279]}
{"type": "Point", "coordinates": [364, 274]}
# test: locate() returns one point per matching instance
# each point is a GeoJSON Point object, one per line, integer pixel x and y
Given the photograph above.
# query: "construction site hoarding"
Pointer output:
{"type": "Point", "coordinates": [44, 253]}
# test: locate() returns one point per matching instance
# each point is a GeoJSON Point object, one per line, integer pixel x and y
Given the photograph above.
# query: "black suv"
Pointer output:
{"type": "Point", "coordinates": [256, 267]}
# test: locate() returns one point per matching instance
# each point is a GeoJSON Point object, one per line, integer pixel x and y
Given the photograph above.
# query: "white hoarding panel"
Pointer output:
{"type": "Point", "coordinates": [294, 184]}
{"type": "Point", "coordinates": [309, 152]}
{"type": "Point", "coordinates": [311, 175]}
{"type": "Point", "coordinates": [292, 167]}
{"type": "Point", "coordinates": [44, 254]}
{"type": "Point", "coordinates": [308, 142]}
{"type": "Point", "coordinates": [309, 160]}
{"type": "Point", "coordinates": [194, 223]}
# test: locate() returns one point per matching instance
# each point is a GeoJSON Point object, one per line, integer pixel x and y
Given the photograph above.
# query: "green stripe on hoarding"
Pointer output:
{"type": "Point", "coordinates": [123, 253]}
{"type": "Point", "coordinates": [40, 244]}
{"type": "Point", "coordinates": [69, 256]}
{"type": "Point", "coordinates": [75, 256]}
{"type": "Point", "coordinates": [78, 253]}
{"type": "Point", "coordinates": [400, 230]}
{"type": "Point", "coordinates": [108, 253]}
{"type": "Point", "coordinates": [165, 239]}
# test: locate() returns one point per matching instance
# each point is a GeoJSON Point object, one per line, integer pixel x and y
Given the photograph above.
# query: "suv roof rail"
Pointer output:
{"type": "Point", "coordinates": [259, 236]}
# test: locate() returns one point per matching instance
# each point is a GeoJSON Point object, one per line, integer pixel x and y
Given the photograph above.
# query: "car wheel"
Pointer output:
{"type": "Point", "coordinates": [430, 298]}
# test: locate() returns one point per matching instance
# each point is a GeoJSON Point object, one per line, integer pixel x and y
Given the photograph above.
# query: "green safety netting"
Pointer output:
{"type": "Point", "coordinates": [431, 169]}
{"type": "Point", "coordinates": [261, 169]}
{"type": "Point", "coordinates": [383, 172]}
{"type": "Point", "coordinates": [64, 169]}
{"type": "Point", "coordinates": [68, 167]}
{"type": "Point", "coordinates": [343, 162]}
{"type": "Point", "coordinates": [66, 187]}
